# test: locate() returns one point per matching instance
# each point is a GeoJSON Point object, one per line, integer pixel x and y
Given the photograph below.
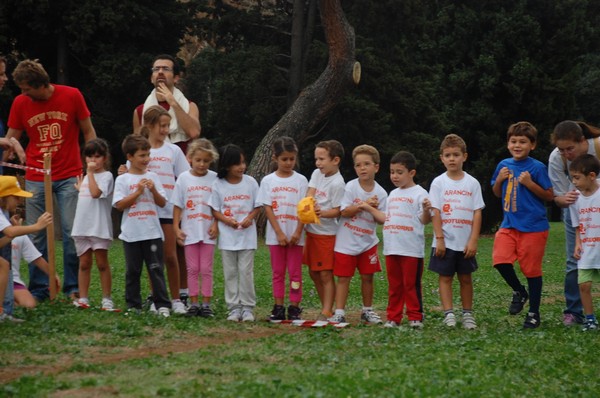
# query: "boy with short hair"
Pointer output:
{"type": "Point", "coordinates": [585, 218]}
{"type": "Point", "coordinates": [363, 207]}
{"type": "Point", "coordinates": [327, 186]}
{"type": "Point", "coordinates": [457, 204]}
{"type": "Point", "coordinates": [138, 194]}
{"type": "Point", "coordinates": [408, 210]}
{"type": "Point", "coordinates": [523, 184]}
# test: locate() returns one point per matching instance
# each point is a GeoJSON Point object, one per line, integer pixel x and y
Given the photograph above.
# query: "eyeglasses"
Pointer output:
{"type": "Point", "coordinates": [569, 149]}
{"type": "Point", "coordinates": [163, 68]}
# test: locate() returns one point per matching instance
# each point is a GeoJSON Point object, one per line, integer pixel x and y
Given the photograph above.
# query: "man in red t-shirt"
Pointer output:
{"type": "Point", "coordinates": [52, 116]}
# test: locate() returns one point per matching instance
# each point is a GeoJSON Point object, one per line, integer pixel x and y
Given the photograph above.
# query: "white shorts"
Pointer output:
{"type": "Point", "coordinates": [85, 243]}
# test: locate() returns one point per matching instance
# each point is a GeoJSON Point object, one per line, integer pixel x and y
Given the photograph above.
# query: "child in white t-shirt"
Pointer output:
{"type": "Point", "coordinates": [279, 194]}
{"type": "Point", "coordinates": [92, 228]}
{"type": "Point", "coordinates": [233, 202]}
{"type": "Point", "coordinates": [139, 194]}
{"type": "Point", "coordinates": [585, 218]}
{"type": "Point", "coordinates": [363, 207]}
{"type": "Point", "coordinates": [327, 186]}
{"type": "Point", "coordinates": [404, 242]}
{"type": "Point", "coordinates": [195, 227]}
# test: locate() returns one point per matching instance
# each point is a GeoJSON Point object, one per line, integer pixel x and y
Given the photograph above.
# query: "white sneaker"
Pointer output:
{"type": "Point", "coordinates": [247, 315]}
{"type": "Point", "coordinates": [152, 309]}
{"type": "Point", "coordinates": [82, 303]}
{"type": "Point", "coordinates": [107, 304]}
{"type": "Point", "coordinates": [371, 317]}
{"type": "Point", "coordinates": [468, 321]}
{"type": "Point", "coordinates": [178, 307]}
{"type": "Point", "coordinates": [337, 318]}
{"type": "Point", "coordinates": [391, 324]}
{"type": "Point", "coordinates": [415, 324]}
{"type": "Point", "coordinates": [235, 315]}
{"type": "Point", "coordinates": [450, 320]}
{"type": "Point", "coordinates": [164, 312]}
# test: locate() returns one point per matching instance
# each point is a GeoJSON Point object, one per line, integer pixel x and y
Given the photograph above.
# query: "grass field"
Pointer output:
{"type": "Point", "coordinates": [61, 351]}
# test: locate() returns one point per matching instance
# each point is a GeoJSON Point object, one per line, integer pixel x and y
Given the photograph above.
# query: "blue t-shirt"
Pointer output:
{"type": "Point", "coordinates": [523, 210]}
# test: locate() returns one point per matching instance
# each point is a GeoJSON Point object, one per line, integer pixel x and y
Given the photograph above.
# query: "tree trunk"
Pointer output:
{"type": "Point", "coordinates": [316, 101]}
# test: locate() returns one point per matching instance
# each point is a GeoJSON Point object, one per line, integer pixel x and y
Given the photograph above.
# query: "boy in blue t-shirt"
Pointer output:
{"type": "Point", "coordinates": [523, 185]}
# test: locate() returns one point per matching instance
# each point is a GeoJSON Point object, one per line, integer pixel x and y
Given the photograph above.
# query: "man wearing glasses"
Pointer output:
{"type": "Point", "coordinates": [185, 116]}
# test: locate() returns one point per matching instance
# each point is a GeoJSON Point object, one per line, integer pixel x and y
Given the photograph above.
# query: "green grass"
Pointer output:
{"type": "Point", "coordinates": [63, 351]}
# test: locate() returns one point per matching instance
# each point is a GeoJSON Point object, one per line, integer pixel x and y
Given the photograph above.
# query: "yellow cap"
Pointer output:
{"type": "Point", "coordinates": [306, 211]}
{"type": "Point", "coordinates": [9, 185]}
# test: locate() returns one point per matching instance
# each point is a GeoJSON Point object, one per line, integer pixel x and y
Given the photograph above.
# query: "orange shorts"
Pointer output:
{"type": "Point", "coordinates": [318, 252]}
{"type": "Point", "coordinates": [367, 263]}
{"type": "Point", "coordinates": [527, 248]}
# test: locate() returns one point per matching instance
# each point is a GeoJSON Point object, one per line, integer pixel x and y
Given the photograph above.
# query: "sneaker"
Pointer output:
{"type": "Point", "coordinates": [148, 303]}
{"type": "Point", "coordinates": [391, 324]}
{"type": "Point", "coordinates": [468, 321]}
{"type": "Point", "coordinates": [194, 310]}
{"type": "Point", "coordinates": [590, 325]}
{"type": "Point", "coordinates": [107, 304]}
{"type": "Point", "coordinates": [178, 307]}
{"type": "Point", "coordinates": [337, 318]}
{"type": "Point", "coordinates": [415, 324]}
{"type": "Point", "coordinates": [206, 312]}
{"type": "Point", "coordinates": [532, 321]}
{"type": "Point", "coordinates": [82, 303]}
{"type": "Point", "coordinates": [450, 320]}
{"type": "Point", "coordinates": [152, 309]}
{"type": "Point", "coordinates": [184, 297]}
{"type": "Point", "coordinates": [570, 320]}
{"type": "Point", "coordinates": [517, 303]}
{"type": "Point", "coordinates": [371, 317]}
{"type": "Point", "coordinates": [322, 317]}
{"type": "Point", "coordinates": [278, 313]}
{"type": "Point", "coordinates": [164, 312]}
{"type": "Point", "coordinates": [4, 317]}
{"type": "Point", "coordinates": [247, 315]}
{"type": "Point", "coordinates": [235, 315]}
{"type": "Point", "coordinates": [294, 313]}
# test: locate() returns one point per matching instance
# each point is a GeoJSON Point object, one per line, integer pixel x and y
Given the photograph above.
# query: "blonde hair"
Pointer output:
{"type": "Point", "coordinates": [453, 141]}
{"type": "Point", "coordinates": [367, 150]}
{"type": "Point", "coordinates": [202, 145]}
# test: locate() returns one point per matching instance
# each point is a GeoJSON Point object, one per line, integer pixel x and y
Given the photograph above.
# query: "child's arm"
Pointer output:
{"type": "Point", "coordinates": [246, 222]}
{"type": "Point", "coordinates": [213, 230]}
{"type": "Point", "coordinates": [377, 214]}
{"type": "Point", "coordinates": [471, 248]}
{"type": "Point", "coordinates": [42, 264]}
{"type": "Point", "coordinates": [544, 194]}
{"type": "Point", "coordinates": [438, 233]}
{"type": "Point", "coordinates": [159, 200]}
{"type": "Point", "coordinates": [17, 230]}
{"type": "Point", "coordinates": [179, 234]}
{"type": "Point", "coordinates": [503, 174]}
{"type": "Point", "coordinates": [295, 238]}
{"type": "Point", "coordinates": [95, 191]}
{"type": "Point", "coordinates": [230, 221]}
{"type": "Point", "coordinates": [130, 199]}
{"type": "Point", "coordinates": [577, 252]}
{"type": "Point", "coordinates": [426, 214]}
{"type": "Point", "coordinates": [281, 238]}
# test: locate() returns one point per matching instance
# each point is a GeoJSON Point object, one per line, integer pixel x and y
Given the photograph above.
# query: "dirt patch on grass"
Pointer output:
{"type": "Point", "coordinates": [153, 345]}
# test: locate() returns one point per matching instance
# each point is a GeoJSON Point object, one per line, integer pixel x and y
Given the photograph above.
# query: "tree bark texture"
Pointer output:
{"type": "Point", "coordinates": [316, 101]}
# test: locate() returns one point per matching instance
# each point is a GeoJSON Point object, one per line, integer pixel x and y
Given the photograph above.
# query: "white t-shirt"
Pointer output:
{"type": "Point", "coordinates": [140, 221]}
{"type": "Point", "coordinates": [168, 162]}
{"type": "Point", "coordinates": [92, 216]}
{"type": "Point", "coordinates": [328, 195]}
{"type": "Point", "coordinates": [237, 201]}
{"type": "Point", "coordinates": [283, 195]}
{"type": "Point", "coordinates": [192, 194]}
{"type": "Point", "coordinates": [585, 215]}
{"type": "Point", "coordinates": [403, 232]}
{"type": "Point", "coordinates": [558, 171]}
{"type": "Point", "coordinates": [22, 248]}
{"type": "Point", "coordinates": [358, 234]}
{"type": "Point", "coordinates": [4, 222]}
{"type": "Point", "coordinates": [456, 201]}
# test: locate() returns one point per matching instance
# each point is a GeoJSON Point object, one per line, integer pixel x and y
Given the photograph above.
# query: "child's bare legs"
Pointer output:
{"type": "Point", "coordinates": [328, 286]}
{"type": "Point", "coordinates": [23, 298]}
{"type": "Point", "coordinates": [85, 267]}
{"type": "Point", "coordinates": [171, 260]}
{"type": "Point", "coordinates": [317, 280]}
{"type": "Point", "coordinates": [104, 269]}
{"type": "Point", "coordinates": [446, 292]}
{"type": "Point", "coordinates": [585, 291]}
{"type": "Point", "coordinates": [341, 291]}
{"type": "Point", "coordinates": [366, 288]}
{"type": "Point", "coordinates": [466, 290]}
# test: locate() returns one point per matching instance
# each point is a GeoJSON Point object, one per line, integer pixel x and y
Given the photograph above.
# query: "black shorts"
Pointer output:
{"type": "Point", "coordinates": [452, 263]}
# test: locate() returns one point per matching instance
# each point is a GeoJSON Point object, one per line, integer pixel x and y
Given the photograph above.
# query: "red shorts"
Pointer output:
{"type": "Point", "coordinates": [367, 263]}
{"type": "Point", "coordinates": [318, 252]}
{"type": "Point", "coordinates": [527, 248]}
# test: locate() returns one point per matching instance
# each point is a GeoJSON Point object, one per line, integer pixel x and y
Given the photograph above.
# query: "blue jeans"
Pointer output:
{"type": "Point", "coordinates": [572, 298]}
{"type": "Point", "coordinates": [66, 198]}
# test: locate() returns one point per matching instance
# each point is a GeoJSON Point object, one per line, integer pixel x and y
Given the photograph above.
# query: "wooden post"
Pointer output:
{"type": "Point", "coordinates": [50, 228]}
